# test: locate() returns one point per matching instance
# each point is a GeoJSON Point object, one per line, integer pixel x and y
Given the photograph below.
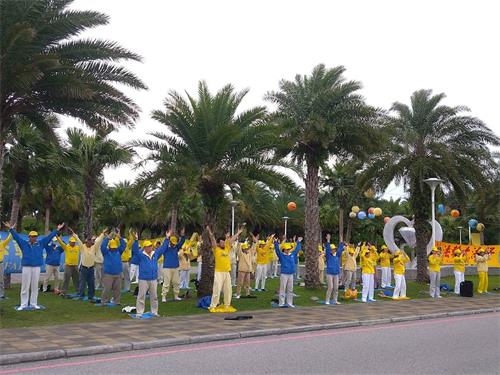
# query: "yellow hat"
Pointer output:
{"type": "Point", "coordinates": [244, 245]}
{"type": "Point", "coordinates": [147, 243]}
{"type": "Point", "coordinates": [320, 248]}
{"type": "Point", "coordinates": [113, 244]}
{"type": "Point", "coordinates": [287, 246]}
{"type": "Point", "coordinates": [262, 242]}
{"type": "Point", "coordinates": [397, 252]}
{"type": "Point", "coordinates": [457, 252]}
{"type": "Point", "coordinates": [434, 248]}
{"type": "Point", "coordinates": [383, 247]}
{"type": "Point", "coordinates": [332, 246]}
{"type": "Point", "coordinates": [72, 239]}
{"type": "Point", "coordinates": [173, 240]}
{"type": "Point", "coordinates": [351, 250]}
{"type": "Point", "coordinates": [33, 233]}
{"type": "Point", "coordinates": [373, 248]}
{"type": "Point", "coordinates": [480, 251]}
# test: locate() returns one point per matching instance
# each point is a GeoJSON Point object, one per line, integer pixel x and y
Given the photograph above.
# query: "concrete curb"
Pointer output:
{"type": "Point", "coordinates": [10, 359]}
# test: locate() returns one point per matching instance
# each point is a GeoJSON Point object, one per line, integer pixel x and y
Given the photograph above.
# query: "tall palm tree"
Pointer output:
{"type": "Point", "coordinates": [90, 154]}
{"type": "Point", "coordinates": [223, 147]}
{"type": "Point", "coordinates": [46, 68]}
{"type": "Point", "coordinates": [321, 115]}
{"type": "Point", "coordinates": [429, 139]}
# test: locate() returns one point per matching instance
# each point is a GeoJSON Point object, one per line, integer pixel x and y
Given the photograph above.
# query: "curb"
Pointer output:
{"type": "Point", "coordinates": [10, 359]}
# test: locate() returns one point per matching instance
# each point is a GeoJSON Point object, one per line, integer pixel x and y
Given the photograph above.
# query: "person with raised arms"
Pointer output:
{"type": "Point", "coordinates": [385, 266]}
{"type": "Point", "coordinates": [482, 258]}
{"type": "Point", "coordinates": [288, 268]}
{"type": "Point", "coordinates": [400, 259]}
{"type": "Point", "coordinates": [369, 258]}
{"type": "Point", "coordinates": [435, 260]}
{"type": "Point", "coordinates": [245, 267]}
{"type": "Point", "coordinates": [31, 262]}
{"type": "Point", "coordinates": [112, 248]}
{"type": "Point", "coordinates": [459, 269]}
{"type": "Point", "coordinates": [3, 252]}
{"type": "Point", "coordinates": [52, 264]}
{"type": "Point", "coordinates": [171, 275]}
{"type": "Point", "coordinates": [333, 256]}
{"type": "Point", "coordinates": [71, 259]}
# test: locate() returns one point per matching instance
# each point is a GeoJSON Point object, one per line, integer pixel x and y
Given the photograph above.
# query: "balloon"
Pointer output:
{"type": "Point", "coordinates": [361, 215]}
{"type": "Point", "coordinates": [355, 209]}
{"type": "Point", "coordinates": [377, 211]}
{"type": "Point", "coordinates": [371, 216]}
{"type": "Point", "coordinates": [480, 227]}
{"type": "Point", "coordinates": [291, 206]}
{"type": "Point", "coordinates": [473, 223]}
{"type": "Point", "coordinates": [369, 193]}
{"type": "Point", "coordinates": [455, 213]}
{"type": "Point", "coordinates": [441, 208]}
{"type": "Point", "coordinates": [352, 215]}
{"type": "Point", "coordinates": [386, 219]}
{"type": "Point", "coordinates": [370, 210]}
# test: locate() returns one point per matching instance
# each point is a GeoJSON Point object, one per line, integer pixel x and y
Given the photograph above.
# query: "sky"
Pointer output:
{"type": "Point", "coordinates": [392, 47]}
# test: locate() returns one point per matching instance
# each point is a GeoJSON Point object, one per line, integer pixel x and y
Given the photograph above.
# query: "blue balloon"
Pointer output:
{"type": "Point", "coordinates": [441, 208]}
{"type": "Point", "coordinates": [371, 216]}
{"type": "Point", "coordinates": [472, 223]}
{"type": "Point", "coordinates": [361, 215]}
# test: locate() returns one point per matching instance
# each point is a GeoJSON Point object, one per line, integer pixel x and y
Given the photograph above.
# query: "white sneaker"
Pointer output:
{"type": "Point", "coordinates": [177, 299]}
{"type": "Point", "coordinates": [327, 302]}
{"type": "Point", "coordinates": [337, 303]}
{"type": "Point", "coordinates": [20, 308]}
{"type": "Point", "coordinates": [291, 305]}
{"type": "Point", "coordinates": [237, 297]}
{"type": "Point", "coordinates": [36, 307]}
{"type": "Point", "coordinates": [164, 299]}
{"type": "Point", "coordinates": [439, 297]}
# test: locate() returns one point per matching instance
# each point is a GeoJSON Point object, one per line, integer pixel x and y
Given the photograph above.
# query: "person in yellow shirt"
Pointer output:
{"type": "Point", "coordinates": [400, 259]}
{"type": "Point", "coordinates": [71, 258]}
{"type": "Point", "coordinates": [350, 267]}
{"type": "Point", "coordinates": [222, 275]}
{"type": "Point", "coordinates": [385, 266]}
{"type": "Point", "coordinates": [263, 249]}
{"type": "Point", "coordinates": [272, 266]}
{"type": "Point", "coordinates": [482, 259]}
{"type": "Point", "coordinates": [369, 258]}
{"type": "Point", "coordinates": [435, 261]}
{"type": "Point", "coordinates": [126, 256]}
{"type": "Point", "coordinates": [321, 264]}
{"type": "Point", "coordinates": [245, 267]}
{"type": "Point", "coordinates": [458, 269]}
{"type": "Point", "coordinates": [3, 252]}
{"type": "Point", "coordinates": [185, 255]}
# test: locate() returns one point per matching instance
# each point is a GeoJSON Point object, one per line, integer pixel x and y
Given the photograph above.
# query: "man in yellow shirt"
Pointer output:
{"type": "Point", "coordinates": [263, 249]}
{"type": "Point", "coordinates": [369, 259]}
{"type": "Point", "coordinates": [435, 261]}
{"type": "Point", "coordinates": [482, 259]}
{"type": "Point", "coordinates": [385, 266]}
{"type": "Point", "coordinates": [71, 255]}
{"type": "Point", "coordinates": [3, 252]}
{"type": "Point", "coordinates": [458, 269]}
{"type": "Point", "coordinates": [400, 259]}
{"type": "Point", "coordinates": [222, 275]}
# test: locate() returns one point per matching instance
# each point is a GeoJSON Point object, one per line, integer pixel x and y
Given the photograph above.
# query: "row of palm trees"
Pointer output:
{"type": "Point", "coordinates": [209, 148]}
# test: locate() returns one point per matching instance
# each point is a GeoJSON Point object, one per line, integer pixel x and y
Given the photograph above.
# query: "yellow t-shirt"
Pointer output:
{"type": "Point", "coordinates": [385, 259]}
{"type": "Point", "coordinates": [222, 258]}
{"type": "Point", "coordinates": [399, 264]}
{"type": "Point", "coordinates": [368, 263]}
{"type": "Point", "coordinates": [435, 263]}
{"type": "Point", "coordinates": [262, 255]}
{"type": "Point", "coordinates": [459, 263]}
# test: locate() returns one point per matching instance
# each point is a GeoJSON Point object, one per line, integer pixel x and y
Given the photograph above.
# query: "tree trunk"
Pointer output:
{"type": "Point", "coordinates": [348, 231]}
{"type": "Point", "coordinates": [173, 219]}
{"type": "Point", "coordinates": [208, 261]}
{"type": "Point", "coordinates": [87, 208]}
{"type": "Point", "coordinates": [419, 202]}
{"type": "Point", "coordinates": [312, 227]}
{"type": "Point", "coordinates": [2, 160]}
{"type": "Point", "coordinates": [47, 219]}
{"type": "Point", "coordinates": [16, 202]}
{"type": "Point", "coordinates": [341, 225]}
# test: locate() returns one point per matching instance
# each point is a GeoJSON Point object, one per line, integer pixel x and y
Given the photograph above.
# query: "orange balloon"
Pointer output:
{"type": "Point", "coordinates": [370, 210]}
{"type": "Point", "coordinates": [386, 219]}
{"type": "Point", "coordinates": [291, 206]}
{"type": "Point", "coordinates": [455, 213]}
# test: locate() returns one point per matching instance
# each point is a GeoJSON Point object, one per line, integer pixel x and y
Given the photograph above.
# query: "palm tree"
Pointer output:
{"type": "Point", "coordinates": [45, 69]}
{"type": "Point", "coordinates": [90, 154]}
{"type": "Point", "coordinates": [429, 139]}
{"type": "Point", "coordinates": [321, 115]}
{"type": "Point", "coordinates": [223, 147]}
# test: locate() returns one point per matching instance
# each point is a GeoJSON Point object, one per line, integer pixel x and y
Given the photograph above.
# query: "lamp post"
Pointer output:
{"type": "Point", "coordinates": [433, 183]}
{"type": "Point", "coordinates": [286, 221]}
{"type": "Point", "coordinates": [460, 229]}
{"type": "Point", "coordinates": [233, 205]}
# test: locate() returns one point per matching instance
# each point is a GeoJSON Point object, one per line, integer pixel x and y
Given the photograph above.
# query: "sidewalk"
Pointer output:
{"type": "Point", "coordinates": [32, 344]}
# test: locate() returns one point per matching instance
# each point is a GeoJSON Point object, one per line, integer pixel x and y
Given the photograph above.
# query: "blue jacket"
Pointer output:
{"type": "Point", "coordinates": [148, 267]}
{"type": "Point", "coordinates": [333, 261]}
{"type": "Point", "coordinates": [112, 258]}
{"type": "Point", "coordinates": [53, 255]}
{"type": "Point", "coordinates": [288, 266]}
{"type": "Point", "coordinates": [32, 254]}
{"type": "Point", "coordinates": [171, 256]}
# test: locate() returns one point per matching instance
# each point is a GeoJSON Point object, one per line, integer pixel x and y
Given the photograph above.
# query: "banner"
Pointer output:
{"type": "Point", "coordinates": [470, 252]}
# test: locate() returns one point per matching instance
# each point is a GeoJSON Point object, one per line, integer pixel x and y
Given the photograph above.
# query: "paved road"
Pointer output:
{"type": "Point", "coordinates": [459, 345]}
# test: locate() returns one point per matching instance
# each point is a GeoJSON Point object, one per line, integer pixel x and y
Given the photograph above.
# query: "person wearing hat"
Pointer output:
{"type": "Point", "coordinates": [321, 264]}
{"type": "Point", "coordinates": [222, 276]}
{"type": "Point", "coordinates": [435, 260]}
{"type": "Point", "coordinates": [71, 258]}
{"type": "Point", "coordinates": [245, 268]}
{"type": "Point", "coordinates": [385, 266]}
{"type": "Point", "coordinates": [126, 257]}
{"type": "Point", "coordinates": [32, 260]}
{"type": "Point", "coordinates": [288, 269]}
{"type": "Point", "coordinates": [333, 257]}
{"type": "Point", "coordinates": [185, 255]}
{"type": "Point", "coordinates": [369, 258]}
{"type": "Point", "coordinates": [3, 252]}
{"type": "Point", "coordinates": [272, 266]}
{"type": "Point", "coordinates": [112, 248]}
{"type": "Point", "coordinates": [458, 269]}
{"type": "Point", "coordinates": [482, 259]}
{"type": "Point", "coordinates": [400, 259]}
{"type": "Point", "coordinates": [350, 267]}
{"type": "Point", "coordinates": [263, 249]}
{"type": "Point", "coordinates": [147, 259]}
{"type": "Point", "coordinates": [171, 274]}
{"type": "Point", "coordinates": [52, 263]}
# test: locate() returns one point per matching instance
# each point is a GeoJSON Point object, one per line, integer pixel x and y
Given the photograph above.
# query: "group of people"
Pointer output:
{"type": "Point", "coordinates": [108, 260]}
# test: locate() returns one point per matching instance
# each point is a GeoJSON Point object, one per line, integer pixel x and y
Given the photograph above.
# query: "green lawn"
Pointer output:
{"type": "Point", "coordinates": [61, 310]}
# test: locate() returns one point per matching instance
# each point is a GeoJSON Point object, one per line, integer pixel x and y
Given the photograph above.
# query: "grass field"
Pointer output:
{"type": "Point", "coordinates": [61, 311]}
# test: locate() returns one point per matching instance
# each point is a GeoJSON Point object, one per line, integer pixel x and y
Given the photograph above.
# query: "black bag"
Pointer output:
{"type": "Point", "coordinates": [466, 288]}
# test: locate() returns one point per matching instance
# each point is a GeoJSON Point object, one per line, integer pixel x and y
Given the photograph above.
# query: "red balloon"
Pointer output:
{"type": "Point", "coordinates": [370, 210]}
{"type": "Point", "coordinates": [291, 206]}
{"type": "Point", "coordinates": [455, 213]}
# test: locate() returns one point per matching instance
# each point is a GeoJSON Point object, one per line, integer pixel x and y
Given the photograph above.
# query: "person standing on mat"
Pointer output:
{"type": "Point", "coordinates": [262, 260]}
{"type": "Point", "coordinates": [400, 259]}
{"type": "Point", "coordinates": [171, 276]}
{"type": "Point", "coordinates": [112, 249]}
{"type": "Point", "coordinates": [31, 263]}
{"type": "Point", "coordinates": [288, 269]}
{"type": "Point", "coordinates": [435, 261]}
{"type": "Point", "coordinates": [482, 259]}
{"type": "Point", "coordinates": [333, 257]}
{"type": "Point", "coordinates": [52, 264]}
{"type": "Point", "coordinates": [350, 267]}
{"type": "Point", "coordinates": [71, 257]}
{"type": "Point", "coordinates": [385, 266]}
{"type": "Point", "coordinates": [458, 269]}
{"type": "Point", "coordinates": [369, 259]}
{"type": "Point", "coordinates": [245, 268]}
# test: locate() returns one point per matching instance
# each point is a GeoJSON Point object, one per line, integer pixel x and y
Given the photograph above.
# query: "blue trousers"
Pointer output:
{"type": "Point", "coordinates": [87, 279]}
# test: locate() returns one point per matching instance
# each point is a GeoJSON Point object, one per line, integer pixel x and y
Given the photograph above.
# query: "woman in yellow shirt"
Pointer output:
{"type": "Point", "coordinates": [385, 266]}
{"type": "Point", "coordinates": [400, 259]}
{"type": "Point", "coordinates": [435, 261]}
{"type": "Point", "coordinates": [482, 270]}
{"type": "Point", "coordinates": [458, 269]}
{"type": "Point", "coordinates": [368, 263]}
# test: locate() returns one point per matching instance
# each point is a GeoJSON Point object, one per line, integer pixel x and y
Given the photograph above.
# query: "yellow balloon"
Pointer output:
{"type": "Point", "coordinates": [480, 227]}
{"type": "Point", "coordinates": [355, 209]}
{"type": "Point", "coordinates": [377, 211]}
{"type": "Point", "coordinates": [352, 215]}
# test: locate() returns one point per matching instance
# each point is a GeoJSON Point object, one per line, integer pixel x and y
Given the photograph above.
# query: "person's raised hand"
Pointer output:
{"type": "Point", "coordinates": [328, 237]}
{"type": "Point", "coordinates": [300, 239]}
{"type": "Point", "coordinates": [60, 227]}
{"type": "Point", "coordinates": [183, 231]}
{"type": "Point", "coordinates": [168, 233]}
{"type": "Point", "coordinates": [7, 225]}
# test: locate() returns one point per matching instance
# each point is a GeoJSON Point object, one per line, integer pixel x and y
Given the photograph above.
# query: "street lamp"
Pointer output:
{"type": "Point", "coordinates": [286, 221]}
{"type": "Point", "coordinates": [233, 205]}
{"type": "Point", "coordinates": [433, 183]}
{"type": "Point", "coordinates": [460, 229]}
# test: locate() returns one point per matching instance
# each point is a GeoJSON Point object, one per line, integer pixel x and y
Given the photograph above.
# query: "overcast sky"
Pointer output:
{"type": "Point", "coordinates": [392, 47]}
